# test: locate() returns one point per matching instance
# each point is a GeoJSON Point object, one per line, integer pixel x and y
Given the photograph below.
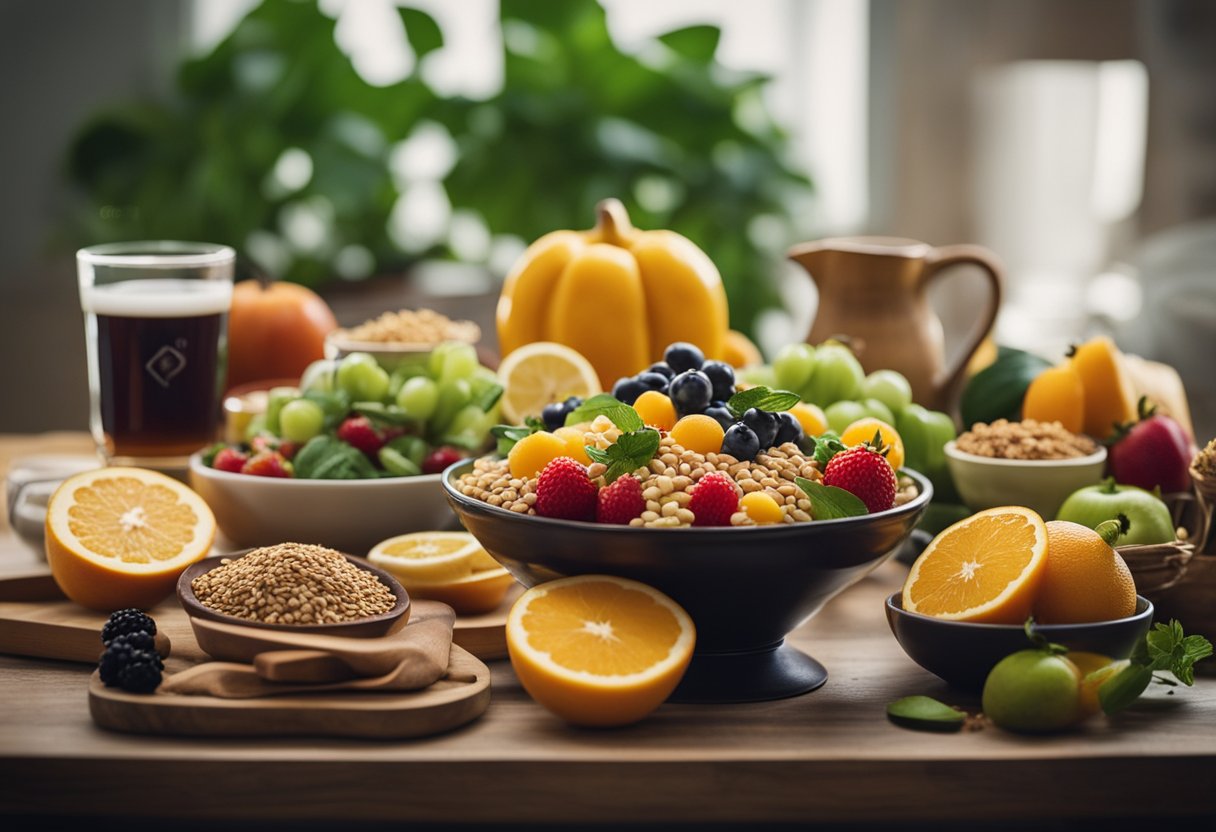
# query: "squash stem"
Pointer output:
{"type": "Point", "coordinates": [612, 224]}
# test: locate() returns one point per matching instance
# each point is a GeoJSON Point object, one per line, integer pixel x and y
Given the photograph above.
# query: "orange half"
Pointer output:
{"type": "Point", "coordinates": [986, 568]}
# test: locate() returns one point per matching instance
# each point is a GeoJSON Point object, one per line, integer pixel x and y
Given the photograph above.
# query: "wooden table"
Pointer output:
{"type": "Point", "coordinates": [828, 756]}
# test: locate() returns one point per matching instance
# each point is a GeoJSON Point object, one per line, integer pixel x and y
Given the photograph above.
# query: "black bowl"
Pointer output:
{"type": "Point", "coordinates": [745, 587]}
{"type": "Point", "coordinates": [962, 653]}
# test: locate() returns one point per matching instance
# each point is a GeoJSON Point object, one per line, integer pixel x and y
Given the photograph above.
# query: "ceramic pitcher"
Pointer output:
{"type": "Point", "coordinates": [872, 289]}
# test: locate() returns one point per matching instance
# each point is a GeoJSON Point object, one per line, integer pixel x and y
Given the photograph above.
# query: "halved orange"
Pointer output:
{"type": "Point", "coordinates": [599, 650]}
{"type": "Point", "coordinates": [986, 568]}
{"type": "Point", "coordinates": [472, 595]}
{"type": "Point", "coordinates": [120, 537]}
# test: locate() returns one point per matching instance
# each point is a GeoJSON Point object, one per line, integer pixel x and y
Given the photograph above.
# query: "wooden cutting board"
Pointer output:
{"type": "Point", "coordinates": [37, 620]}
{"type": "Point", "coordinates": [398, 715]}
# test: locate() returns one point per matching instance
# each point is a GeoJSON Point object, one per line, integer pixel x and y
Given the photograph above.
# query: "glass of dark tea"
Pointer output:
{"type": "Point", "coordinates": [156, 317]}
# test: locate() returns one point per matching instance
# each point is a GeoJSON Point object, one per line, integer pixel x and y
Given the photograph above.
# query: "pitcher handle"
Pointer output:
{"type": "Point", "coordinates": [938, 261]}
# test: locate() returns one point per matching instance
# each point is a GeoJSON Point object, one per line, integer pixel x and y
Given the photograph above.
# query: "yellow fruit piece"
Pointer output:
{"type": "Point", "coordinates": [656, 410]}
{"type": "Point", "coordinates": [474, 594]}
{"type": "Point", "coordinates": [120, 537]}
{"type": "Point", "coordinates": [543, 372]}
{"type": "Point", "coordinates": [1057, 395]}
{"type": "Point", "coordinates": [576, 443]}
{"type": "Point", "coordinates": [986, 568]}
{"type": "Point", "coordinates": [739, 351]}
{"type": "Point", "coordinates": [1084, 580]}
{"type": "Point", "coordinates": [599, 650]}
{"type": "Point", "coordinates": [1094, 669]}
{"type": "Point", "coordinates": [428, 556]}
{"type": "Point", "coordinates": [1109, 396]}
{"type": "Point", "coordinates": [529, 456]}
{"type": "Point", "coordinates": [863, 431]}
{"type": "Point", "coordinates": [698, 433]}
{"type": "Point", "coordinates": [761, 508]}
{"type": "Point", "coordinates": [811, 417]}
{"type": "Point", "coordinates": [616, 294]}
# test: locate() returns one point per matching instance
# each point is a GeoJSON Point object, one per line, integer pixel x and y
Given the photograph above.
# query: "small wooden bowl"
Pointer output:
{"type": "Point", "coordinates": [370, 627]}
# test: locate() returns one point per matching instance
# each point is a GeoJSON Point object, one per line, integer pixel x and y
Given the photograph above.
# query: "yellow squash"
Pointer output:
{"type": "Point", "coordinates": [616, 294]}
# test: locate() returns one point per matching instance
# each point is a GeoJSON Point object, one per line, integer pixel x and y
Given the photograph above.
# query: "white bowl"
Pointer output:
{"type": "Point", "coordinates": [1042, 485]}
{"type": "Point", "coordinates": [348, 515]}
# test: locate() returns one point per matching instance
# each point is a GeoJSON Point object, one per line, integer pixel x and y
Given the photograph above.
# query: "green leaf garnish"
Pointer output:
{"type": "Point", "coordinates": [508, 435]}
{"type": "Point", "coordinates": [605, 404]}
{"type": "Point", "coordinates": [761, 398]}
{"type": "Point", "coordinates": [829, 502]}
{"type": "Point", "coordinates": [827, 445]}
{"type": "Point", "coordinates": [488, 398]}
{"type": "Point", "coordinates": [628, 453]}
{"type": "Point", "coordinates": [923, 713]}
{"type": "Point", "coordinates": [1165, 648]}
{"type": "Point", "coordinates": [383, 414]}
{"type": "Point", "coordinates": [212, 452]}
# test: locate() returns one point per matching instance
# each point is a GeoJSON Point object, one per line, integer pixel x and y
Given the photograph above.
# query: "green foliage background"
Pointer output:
{"type": "Point", "coordinates": [684, 142]}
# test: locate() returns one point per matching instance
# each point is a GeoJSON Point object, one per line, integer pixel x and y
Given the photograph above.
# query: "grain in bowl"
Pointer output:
{"type": "Point", "coordinates": [1024, 440]}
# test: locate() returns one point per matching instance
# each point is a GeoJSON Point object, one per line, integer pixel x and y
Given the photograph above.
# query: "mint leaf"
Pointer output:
{"type": "Point", "coordinates": [605, 404]}
{"type": "Point", "coordinates": [829, 502]}
{"type": "Point", "coordinates": [827, 446]}
{"type": "Point", "coordinates": [923, 713]}
{"type": "Point", "coordinates": [628, 453]}
{"type": "Point", "coordinates": [761, 398]}
{"type": "Point", "coordinates": [1169, 648]}
{"type": "Point", "coordinates": [508, 435]}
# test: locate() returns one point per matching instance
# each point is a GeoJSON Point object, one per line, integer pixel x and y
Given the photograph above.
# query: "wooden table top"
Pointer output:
{"type": "Point", "coordinates": [828, 756]}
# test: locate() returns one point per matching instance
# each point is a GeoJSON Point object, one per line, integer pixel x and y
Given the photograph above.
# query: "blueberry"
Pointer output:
{"type": "Point", "coordinates": [627, 390]}
{"type": "Point", "coordinates": [720, 414]}
{"type": "Point", "coordinates": [572, 403]}
{"type": "Point", "coordinates": [741, 442]}
{"type": "Point", "coordinates": [789, 429]}
{"type": "Point", "coordinates": [722, 375]}
{"type": "Point", "coordinates": [690, 392]}
{"type": "Point", "coordinates": [763, 424]}
{"type": "Point", "coordinates": [662, 369]}
{"type": "Point", "coordinates": [682, 356]}
{"type": "Point", "coordinates": [653, 381]}
{"type": "Point", "coordinates": [554, 416]}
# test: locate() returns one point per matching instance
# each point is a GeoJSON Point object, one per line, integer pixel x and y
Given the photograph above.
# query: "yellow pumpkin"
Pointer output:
{"type": "Point", "coordinates": [615, 294]}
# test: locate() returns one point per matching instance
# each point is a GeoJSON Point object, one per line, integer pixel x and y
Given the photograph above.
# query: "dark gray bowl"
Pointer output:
{"type": "Point", "coordinates": [962, 653]}
{"type": "Point", "coordinates": [745, 587]}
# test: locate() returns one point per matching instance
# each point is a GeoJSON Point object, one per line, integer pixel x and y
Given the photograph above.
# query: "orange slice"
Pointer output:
{"type": "Point", "coordinates": [986, 568]}
{"type": "Point", "coordinates": [429, 556]}
{"type": "Point", "coordinates": [478, 593]}
{"type": "Point", "coordinates": [598, 650]}
{"type": "Point", "coordinates": [119, 537]}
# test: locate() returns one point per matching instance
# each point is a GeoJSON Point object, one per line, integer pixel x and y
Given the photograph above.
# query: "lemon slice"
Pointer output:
{"type": "Point", "coordinates": [542, 372]}
{"type": "Point", "coordinates": [431, 557]}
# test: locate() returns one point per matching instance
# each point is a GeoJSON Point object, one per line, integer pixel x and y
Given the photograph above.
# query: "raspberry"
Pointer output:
{"type": "Point", "coordinates": [230, 460]}
{"type": "Point", "coordinates": [621, 502]}
{"type": "Point", "coordinates": [564, 491]}
{"type": "Point", "coordinates": [267, 464]}
{"type": "Point", "coordinates": [714, 500]}
{"type": "Point", "coordinates": [866, 474]}
{"type": "Point", "coordinates": [360, 432]}
{"type": "Point", "coordinates": [126, 621]}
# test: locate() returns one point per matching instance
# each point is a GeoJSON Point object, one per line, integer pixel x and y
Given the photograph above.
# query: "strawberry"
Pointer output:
{"type": "Point", "coordinates": [288, 449]}
{"type": "Point", "coordinates": [714, 500]}
{"type": "Point", "coordinates": [231, 460]}
{"type": "Point", "coordinates": [440, 458]}
{"type": "Point", "coordinates": [267, 464]}
{"type": "Point", "coordinates": [564, 491]}
{"type": "Point", "coordinates": [621, 501]}
{"type": "Point", "coordinates": [362, 434]}
{"type": "Point", "coordinates": [865, 473]}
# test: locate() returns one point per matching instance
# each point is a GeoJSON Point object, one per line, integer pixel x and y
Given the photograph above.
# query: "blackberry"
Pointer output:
{"type": "Point", "coordinates": [142, 673]}
{"type": "Point", "coordinates": [127, 621]}
{"type": "Point", "coordinates": [116, 657]}
{"type": "Point", "coordinates": [138, 640]}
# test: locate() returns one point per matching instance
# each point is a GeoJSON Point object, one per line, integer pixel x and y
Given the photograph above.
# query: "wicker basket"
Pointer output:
{"type": "Point", "coordinates": [1180, 577]}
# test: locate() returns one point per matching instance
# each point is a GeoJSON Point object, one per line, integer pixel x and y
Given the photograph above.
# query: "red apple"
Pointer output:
{"type": "Point", "coordinates": [276, 331]}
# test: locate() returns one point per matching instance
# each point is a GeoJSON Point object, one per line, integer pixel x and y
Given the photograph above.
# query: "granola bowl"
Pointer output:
{"type": "Point", "coordinates": [745, 587]}
{"type": "Point", "coordinates": [1040, 484]}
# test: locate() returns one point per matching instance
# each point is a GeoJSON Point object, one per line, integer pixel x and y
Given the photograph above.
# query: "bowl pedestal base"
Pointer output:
{"type": "Point", "coordinates": [776, 671]}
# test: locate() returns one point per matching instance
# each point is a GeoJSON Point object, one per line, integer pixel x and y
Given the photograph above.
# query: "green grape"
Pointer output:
{"type": "Point", "coordinates": [418, 397]}
{"type": "Point", "coordinates": [403, 373]}
{"type": "Point", "coordinates": [362, 378]}
{"type": "Point", "coordinates": [794, 366]}
{"type": "Point", "coordinates": [277, 399]}
{"type": "Point", "coordinates": [301, 420]}
{"type": "Point", "coordinates": [838, 376]}
{"type": "Point", "coordinates": [319, 377]}
{"type": "Point", "coordinates": [439, 355]}
{"type": "Point", "coordinates": [452, 397]}
{"type": "Point", "coordinates": [468, 428]}
{"type": "Point", "coordinates": [889, 387]}
{"type": "Point", "coordinates": [878, 410]}
{"type": "Point", "coordinates": [842, 414]}
{"type": "Point", "coordinates": [459, 362]}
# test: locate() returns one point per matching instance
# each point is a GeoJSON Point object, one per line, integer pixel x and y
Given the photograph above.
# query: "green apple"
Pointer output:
{"type": "Point", "coordinates": [1149, 518]}
{"type": "Point", "coordinates": [875, 408]}
{"type": "Point", "coordinates": [842, 414]}
{"type": "Point", "coordinates": [889, 387]}
{"type": "Point", "coordinates": [837, 376]}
